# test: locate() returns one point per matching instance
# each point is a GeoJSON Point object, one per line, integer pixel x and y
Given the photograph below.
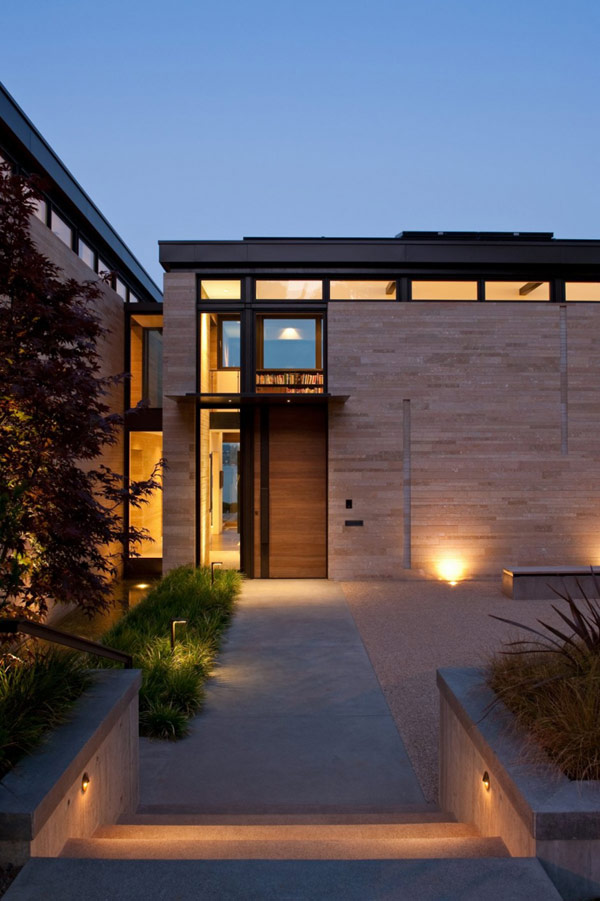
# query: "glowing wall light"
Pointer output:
{"type": "Point", "coordinates": [451, 570]}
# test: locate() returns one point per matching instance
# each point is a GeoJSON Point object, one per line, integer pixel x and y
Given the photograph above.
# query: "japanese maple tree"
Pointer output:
{"type": "Point", "coordinates": [60, 507]}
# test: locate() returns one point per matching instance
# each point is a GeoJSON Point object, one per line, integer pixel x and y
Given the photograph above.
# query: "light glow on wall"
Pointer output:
{"type": "Point", "coordinates": [451, 570]}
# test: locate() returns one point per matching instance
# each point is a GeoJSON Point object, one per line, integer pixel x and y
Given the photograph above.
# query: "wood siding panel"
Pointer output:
{"type": "Point", "coordinates": [297, 493]}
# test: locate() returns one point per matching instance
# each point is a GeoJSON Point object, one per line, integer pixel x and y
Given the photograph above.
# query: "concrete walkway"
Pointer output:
{"type": "Point", "coordinates": [295, 720]}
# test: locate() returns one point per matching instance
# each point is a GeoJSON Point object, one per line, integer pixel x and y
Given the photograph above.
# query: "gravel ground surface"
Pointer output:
{"type": "Point", "coordinates": [412, 628]}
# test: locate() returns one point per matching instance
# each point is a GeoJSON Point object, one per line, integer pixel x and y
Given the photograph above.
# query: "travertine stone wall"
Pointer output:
{"type": "Point", "coordinates": [179, 377]}
{"type": "Point", "coordinates": [110, 308]}
{"type": "Point", "coordinates": [490, 486]}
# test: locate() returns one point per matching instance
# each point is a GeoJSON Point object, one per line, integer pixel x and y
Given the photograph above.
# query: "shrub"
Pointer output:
{"type": "Point", "coordinates": [173, 680]}
{"type": "Point", "coordinates": [552, 686]}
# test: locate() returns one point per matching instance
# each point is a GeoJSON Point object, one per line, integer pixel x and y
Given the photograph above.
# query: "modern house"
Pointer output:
{"type": "Point", "coordinates": [348, 408]}
{"type": "Point", "coordinates": [358, 408]}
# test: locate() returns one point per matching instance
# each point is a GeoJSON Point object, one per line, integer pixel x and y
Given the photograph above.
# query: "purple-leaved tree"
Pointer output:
{"type": "Point", "coordinates": [60, 507]}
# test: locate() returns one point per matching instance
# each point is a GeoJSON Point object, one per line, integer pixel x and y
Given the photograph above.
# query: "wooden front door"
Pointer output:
{"type": "Point", "coordinates": [297, 492]}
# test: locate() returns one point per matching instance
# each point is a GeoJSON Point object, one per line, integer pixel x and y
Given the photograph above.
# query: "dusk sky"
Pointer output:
{"type": "Point", "coordinates": [215, 120]}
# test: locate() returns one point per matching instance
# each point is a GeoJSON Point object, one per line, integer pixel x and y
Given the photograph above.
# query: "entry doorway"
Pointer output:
{"type": "Point", "coordinates": [224, 492]}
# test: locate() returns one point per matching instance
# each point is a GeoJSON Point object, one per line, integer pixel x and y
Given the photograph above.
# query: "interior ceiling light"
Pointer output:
{"type": "Point", "coordinates": [528, 288]}
{"type": "Point", "coordinates": [289, 334]}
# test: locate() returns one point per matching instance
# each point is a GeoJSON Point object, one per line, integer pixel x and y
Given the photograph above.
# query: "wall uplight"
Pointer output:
{"type": "Point", "coordinates": [451, 570]}
{"type": "Point", "coordinates": [486, 781]}
{"type": "Point", "coordinates": [85, 782]}
{"type": "Point", "coordinates": [142, 585]}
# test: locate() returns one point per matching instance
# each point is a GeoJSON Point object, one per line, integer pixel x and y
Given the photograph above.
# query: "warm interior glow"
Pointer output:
{"type": "Point", "coordinates": [451, 570]}
{"type": "Point", "coordinates": [443, 290]}
{"type": "Point", "coordinates": [291, 289]}
{"type": "Point", "coordinates": [526, 289]}
{"type": "Point", "coordinates": [145, 450]}
{"type": "Point", "coordinates": [289, 334]}
{"type": "Point", "coordinates": [220, 289]}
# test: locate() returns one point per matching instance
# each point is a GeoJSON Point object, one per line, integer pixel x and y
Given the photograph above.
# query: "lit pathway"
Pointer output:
{"type": "Point", "coordinates": [294, 721]}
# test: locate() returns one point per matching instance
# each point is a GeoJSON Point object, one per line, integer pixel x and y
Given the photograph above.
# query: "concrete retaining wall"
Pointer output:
{"type": "Point", "coordinates": [41, 801]}
{"type": "Point", "coordinates": [534, 808]}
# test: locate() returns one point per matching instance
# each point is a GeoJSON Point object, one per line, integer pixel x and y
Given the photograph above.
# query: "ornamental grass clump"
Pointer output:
{"type": "Point", "coordinates": [36, 693]}
{"type": "Point", "coordinates": [173, 678]}
{"type": "Point", "coordinates": [551, 683]}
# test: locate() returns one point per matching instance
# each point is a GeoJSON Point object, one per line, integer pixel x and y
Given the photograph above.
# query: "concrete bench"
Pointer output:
{"type": "Point", "coordinates": [535, 583]}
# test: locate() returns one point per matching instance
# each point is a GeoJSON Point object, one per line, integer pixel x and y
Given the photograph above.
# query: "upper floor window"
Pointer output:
{"type": "Point", "coordinates": [380, 289]}
{"type": "Point", "coordinates": [103, 268]}
{"type": "Point", "coordinates": [61, 229]}
{"type": "Point", "coordinates": [220, 353]}
{"type": "Point", "coordinates": [40, 210]}
{"type": "Point", "coordinates": [86, 253]}
{"type": "Point", "coordinates": [291, 289]}
{"type": "Point", "coordinates": [121, 288]}
{"type": "Point", "coordinates": [582, 291]}
{"type": "Point", "coordinates": [521, 290]}
{"type": "Point", "coordinates": [220, 289]}
{"type": "Point", "coordinates": [146, 360]}
{"type": "Point", "coordinates": [289, 354]}
{"type": "Point", "coordinates": [443, 290]}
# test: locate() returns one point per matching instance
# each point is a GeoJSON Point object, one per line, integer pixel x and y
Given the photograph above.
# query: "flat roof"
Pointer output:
{"type": "Point", "coordinates": [22, 128]}
{"type": "Point", "coordinates": [462, 251]}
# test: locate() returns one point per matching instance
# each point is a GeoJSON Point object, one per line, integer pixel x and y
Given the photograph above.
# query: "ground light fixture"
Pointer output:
{"type": "Point", "coordinates": [486, 781]}
{"type": "Point", "coordinates": [212, 570]}
{"type": "Point", "coordinates": [85, 783]}
{"type": "Point", "coordinates": [174, 624]}
{"type": "Point", "coordinates": [451, 570]}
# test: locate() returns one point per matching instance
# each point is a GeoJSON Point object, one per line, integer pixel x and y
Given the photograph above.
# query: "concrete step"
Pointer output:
{"type": "Point", "coordinates": [172, 817]}
{"type": "Point", "coordinates": [495, 879]}
{"type": "Point", "coordinates": [276, 832]}
{"type": "Point", "coordinates": [284, 847]}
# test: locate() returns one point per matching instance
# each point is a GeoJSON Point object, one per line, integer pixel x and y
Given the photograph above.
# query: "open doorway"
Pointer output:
{"type": "Point", "coordinates": [224, 496]}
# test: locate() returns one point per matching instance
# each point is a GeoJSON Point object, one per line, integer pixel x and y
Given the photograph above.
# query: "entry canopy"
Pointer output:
{"type": "Point", "coordinates": [237, 400]}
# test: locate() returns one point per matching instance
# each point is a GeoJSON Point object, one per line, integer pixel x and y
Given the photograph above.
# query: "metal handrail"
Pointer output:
{"type": "Point", "coordinates": [39, 630]}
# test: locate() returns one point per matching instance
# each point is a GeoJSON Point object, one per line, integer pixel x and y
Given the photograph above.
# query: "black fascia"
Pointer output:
{"type": "Point", "coordinates": [381, 253]}
{"type": "Point", "coordinates": [32, 151]}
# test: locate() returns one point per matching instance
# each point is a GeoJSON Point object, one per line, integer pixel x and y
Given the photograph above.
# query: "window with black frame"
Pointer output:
{"type": "Point", "coordinates": [289, 355]}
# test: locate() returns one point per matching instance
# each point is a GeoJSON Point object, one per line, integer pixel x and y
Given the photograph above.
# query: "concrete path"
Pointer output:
{"type": "Point", "coordinates": [294, 721]}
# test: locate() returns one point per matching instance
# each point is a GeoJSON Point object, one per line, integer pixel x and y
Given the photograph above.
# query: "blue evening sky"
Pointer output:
{"type": "Point", "coordinates": [215, 120]}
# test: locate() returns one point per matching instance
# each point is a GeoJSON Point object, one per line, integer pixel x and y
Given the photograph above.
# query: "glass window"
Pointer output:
{"type": "Point", "coordinates": [121, 288]}
{"type": "Point", "coordinates": [220, 353]}
{"type": "Point", "coordinates": [363, 290]}
{"type": "Point", "coordinates": [220, 289]}
{"type": "Point", "coordinates": [522, 290]}
{"type": "Point", "coordinates": [145, 360]}
{"type": "Point", "coordinates": [133, 298]}
{"type": "Point", "coordinates": [229, 343]}
{"type": "Point", "coordinates": [61, 229]}
{"type": "Point", "coordinates": [40, 209]}
{"type": "Point", "coordinates": [443, 290]}
{"type": "Point", "coordinates": [145, 451]}
{"type": "Point", "coordinates": [582, 291]}
{"type": "Point", "coordinates": [86, 253]}
{"type": "Point", "coordinates": [291, 344]}
{"type": "Point", "coordinates": [103, 267]}
{"type": "Point", "coordinates": [292, 289]}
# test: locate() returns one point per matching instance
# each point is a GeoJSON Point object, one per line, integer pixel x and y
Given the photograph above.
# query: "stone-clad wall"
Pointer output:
{"type": "Point", "coordinates": [179, 441]}
{"type": "Point", "coordinates": [489, 484]}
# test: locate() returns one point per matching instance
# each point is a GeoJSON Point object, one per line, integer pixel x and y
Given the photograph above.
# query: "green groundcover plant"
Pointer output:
{"type": "Point", "coordinates": [551, 683]}
{"type": "Point", "coordinates": [36, 693]}
{"type": "Point", "coordinates": [173, 679]}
